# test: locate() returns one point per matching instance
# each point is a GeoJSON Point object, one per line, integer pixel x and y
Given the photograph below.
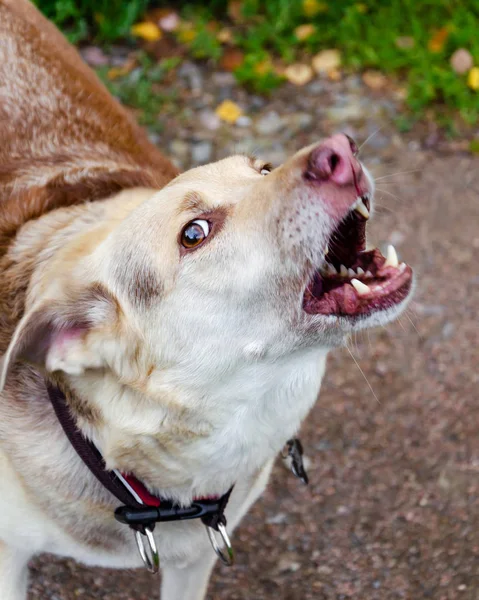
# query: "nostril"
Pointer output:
{"type": "Point", "coordinates": [334, 161]}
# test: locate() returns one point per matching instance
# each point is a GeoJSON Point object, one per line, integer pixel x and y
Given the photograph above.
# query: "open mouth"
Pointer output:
{"type": "Point", "coordinates": [352, 282]}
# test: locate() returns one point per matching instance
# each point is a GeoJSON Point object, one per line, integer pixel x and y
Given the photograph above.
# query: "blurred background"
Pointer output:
{"type": "Point", "coordinates": [392, 509]}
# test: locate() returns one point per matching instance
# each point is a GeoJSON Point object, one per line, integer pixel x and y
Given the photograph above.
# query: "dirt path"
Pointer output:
{"type": "Point", "coordinates": [392, 511]}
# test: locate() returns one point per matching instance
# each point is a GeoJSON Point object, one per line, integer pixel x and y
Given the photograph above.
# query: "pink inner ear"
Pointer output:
{"type": "Point", "coordinates": [62, 339]}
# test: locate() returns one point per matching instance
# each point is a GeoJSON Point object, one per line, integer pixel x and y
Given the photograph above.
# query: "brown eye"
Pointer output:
{"type": "Point", "coordinates": [195, 233]}
{"type": "Point", "coordinates": [266, 169]}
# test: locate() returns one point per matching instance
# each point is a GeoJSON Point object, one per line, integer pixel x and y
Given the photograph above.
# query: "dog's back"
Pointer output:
{"type": "Point", "coordinates": [63, 138]}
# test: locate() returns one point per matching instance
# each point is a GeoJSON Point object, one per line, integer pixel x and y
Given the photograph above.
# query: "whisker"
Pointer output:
{"type": "Point", "coordinates": [391, 194]}
{"type": "Point", "coordinates": [369, 137]}
{"type": "Point", "coordinates": [363, 374]}
{"type": "Point", "coordinates": [398, 173]}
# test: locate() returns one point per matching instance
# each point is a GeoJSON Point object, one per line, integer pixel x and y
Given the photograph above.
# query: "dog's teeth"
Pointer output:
{"type": "Point", "coordinates": [351, 272]}
{"type": "Point", "coordinates": [343, 271]}
{"type": "Point", "coordinates": [368, 274]}
{"type": "Point", "coordinates": [360, 207]}
{"type": "Point", "coordinates": [392, 257]}
{"type": "Point", "coordinates": [331, 269]}
{"type": "Point", "coordinates": [360, 271]}
{"type": "Point", "coordinates": [361, 288]}
{"type": "Point", "coordinates": [326, 250]}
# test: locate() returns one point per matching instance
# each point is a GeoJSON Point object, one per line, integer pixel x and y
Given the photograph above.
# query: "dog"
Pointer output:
{"type": "Point", "coordinates": [184, 319]}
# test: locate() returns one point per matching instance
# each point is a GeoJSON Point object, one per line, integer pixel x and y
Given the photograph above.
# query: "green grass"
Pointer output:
{"type": "Point", "coordinates": [368, 34]}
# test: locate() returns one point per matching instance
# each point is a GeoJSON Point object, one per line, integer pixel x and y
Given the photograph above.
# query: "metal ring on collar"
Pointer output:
{"type": "Point", "coordinates": [228, 558]}
{"type": "Point", "coordinates": [150, 559]}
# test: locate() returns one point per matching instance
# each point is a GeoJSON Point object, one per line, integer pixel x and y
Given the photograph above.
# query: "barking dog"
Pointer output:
{"type": "Point", "coordinates": [184, 319]}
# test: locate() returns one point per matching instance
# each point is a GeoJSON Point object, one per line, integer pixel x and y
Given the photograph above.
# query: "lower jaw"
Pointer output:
{"type": "Point", "coordinates": [386, 292]}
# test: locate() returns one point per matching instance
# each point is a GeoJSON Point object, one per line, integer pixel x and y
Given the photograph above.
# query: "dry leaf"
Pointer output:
{"type": "Point", "coordinates": [229, 111]}
{"type": "Point", "coordinates": [232, 59]}
{"type": "Point", "coordinates": [461, 61]}
{"type": "Point", "coordinates": [125, 68]}
{"type": "Point", "coordinates": [147, 31]}
{"type": "Point", "coordinates": [298, 74]}
{"type": "Point", "coordinates": [375, 80]}
{"type": "Point", "coordinates": [334, 75]}
{"type": "Point", "coordinates": [473, 79]}
{"type": "Point", "coordinates": [263, 67]}
{"type": "Point", "coordinates": [326, 60]}
{"type": "Point", "coordinates": [436, 43]}
{"type": "Point", "coordinates": [311, 8]}
{"type": "Point", "coordinates": [225, 35]}
{"type": "Point", "coordinates": [303, 32]}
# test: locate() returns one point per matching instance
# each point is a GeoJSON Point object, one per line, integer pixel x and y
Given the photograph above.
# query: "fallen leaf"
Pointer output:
{"type": "Point", "coordinates": [229, 111]}
{"type": "Point", "coordinates": [374, 80]}
{"type": "Point", "coordinates": [121, 71]}
{"type": "Point", "coordinates": [405, 42]}
{"type": "Point", "coordinates": [147, 31]}
{"type": "Point", "coordinates": [436, 43]}
{"type": "Point", "coordinates": [334, 74]}
{"type": "Point", "coordinates": [326, 60]}
{"type": "Point", "coordinates": [225, 35]}
{"type": "Point", "coordinates": [461, 61]}
{"type": "Point", "coordinates": [232, 59]}
{"type": "Point", "coordinates": [303, 32]}
{"type": "Point", "coordinates": [298, 74]}
{"type": "Point", "coordinates": [311, 8]}
{"type": "Point", "coordinates": [473, 79]}
{"type": "Point", "coordinates": [263, 67]}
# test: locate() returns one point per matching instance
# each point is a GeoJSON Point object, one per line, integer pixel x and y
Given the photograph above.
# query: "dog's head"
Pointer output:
{"type": "Point", "coordinates": [229, 263]}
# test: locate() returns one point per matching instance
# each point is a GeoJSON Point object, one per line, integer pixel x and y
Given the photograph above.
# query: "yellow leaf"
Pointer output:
{"type": "Point", "coordinates": [303, 32]}
{"type": "Point", "coordinates": [298, 74]}
{"type": "Point", "coordinates": [436, 43]}
{"type": "Point", "coordinates": [229, 111]}
{"type": "Point", "coordinates": [473, 79]}
{"type": "Point", "coordinates": [311, 8]}
{"type": "Point", "coordinates": [263, 67]}
{"type": "Point", "coordinates": [147, 31]}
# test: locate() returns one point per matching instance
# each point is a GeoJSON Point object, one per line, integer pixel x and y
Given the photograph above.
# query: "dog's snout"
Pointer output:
{"type": "Point", "coordinates": [334, 160]}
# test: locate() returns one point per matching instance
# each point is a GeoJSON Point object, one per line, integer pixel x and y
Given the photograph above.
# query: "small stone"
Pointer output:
{"type": "Point", "coordinates": [94, 56]}
{"type": "Point", "coordinates": [277, 519]}
{"type": "Point", "coordinates": [201, 153]}
{"type": "Point", "coordinates": [192, 74]}
{"type": "Point", "coordinates": [170, 22]}
{"type": "Point", "coordinates": [326, 60]}
{"type": "Point", "coordinates": [179, 148]}
{"type": "Point", "coordinates": [210, 120]}
{"type": "Point", "coordinates": [461, 61]}
{"type": "Point", "coordinates": [462, 587]}
{"type": "Point", "coordinates": [269, 124]}
{"type": "Point", "coordinates": [244, 121]}
{"type": "Point", "coordinates": [345, 113]}
{"type": "Point", "coordinates": [324, 570]}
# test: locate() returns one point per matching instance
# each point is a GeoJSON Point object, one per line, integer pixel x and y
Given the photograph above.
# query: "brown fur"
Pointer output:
{"type": "Point", "coordinates": [64, 141]}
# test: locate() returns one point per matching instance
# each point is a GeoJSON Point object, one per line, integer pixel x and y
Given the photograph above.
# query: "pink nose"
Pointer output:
{"type": "Point", "coordinates": [335, 160]}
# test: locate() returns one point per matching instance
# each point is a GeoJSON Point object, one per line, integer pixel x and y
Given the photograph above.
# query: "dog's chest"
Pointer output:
{"type": "Point", "coordinates": [256, 413]}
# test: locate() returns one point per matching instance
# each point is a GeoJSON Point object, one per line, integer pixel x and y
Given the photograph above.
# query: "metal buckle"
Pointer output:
{"type": "Point", "coordinates": [227, 559]}
{"type": "Point", "coordinates": [151, 560]}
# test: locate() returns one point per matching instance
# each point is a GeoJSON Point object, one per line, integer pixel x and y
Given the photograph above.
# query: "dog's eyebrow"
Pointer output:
{"type": "Point", "coordinates": [193, 202]}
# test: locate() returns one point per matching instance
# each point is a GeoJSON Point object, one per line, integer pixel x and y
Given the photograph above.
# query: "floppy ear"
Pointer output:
{"type": "Point", "coordinates": [63, 335]}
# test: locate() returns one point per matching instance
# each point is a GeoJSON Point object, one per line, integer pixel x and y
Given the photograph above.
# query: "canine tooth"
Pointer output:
{"type": "Point", "coordinates": [361, 288]}
{"type": "Point", "coordinates": [351, 272]}
{"type": "Point", "coordinates": [360, 271]}
{"type": "Point", "coordinates": [360, 207]}
{"type": "Point", "coordinates": [392, 257]}
{"type": "Point", "coordinates": [343, 271]}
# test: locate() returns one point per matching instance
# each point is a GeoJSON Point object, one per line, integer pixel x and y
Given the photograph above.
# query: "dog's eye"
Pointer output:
{"type": "Point", "coordinates": [266, 169]}
{"type": "Point", "coordinates": [195, 233]}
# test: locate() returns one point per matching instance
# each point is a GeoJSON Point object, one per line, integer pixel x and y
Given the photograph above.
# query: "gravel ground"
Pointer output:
{"type": "Point", "coordinates": [392, 509]}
